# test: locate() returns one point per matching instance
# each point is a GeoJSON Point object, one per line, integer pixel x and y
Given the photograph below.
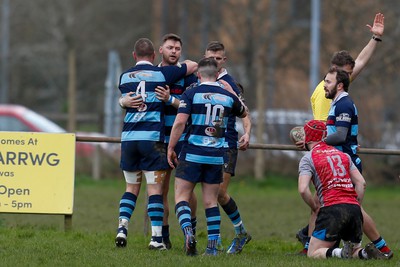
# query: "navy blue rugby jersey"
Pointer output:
{"type": "Point", "coordinates": [176, 90]}
{"type": "Point", "coordinates": [232, 135]}
{"type": "Point", "coordinates": [209, 107]}
{"type": "Point", "coordinates": [343, 113]}
{"type": "Point", "coordinates": [147, 123]}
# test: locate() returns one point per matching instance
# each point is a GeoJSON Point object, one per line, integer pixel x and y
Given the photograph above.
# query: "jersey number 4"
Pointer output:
{"type": "Point", "coordinates": [141, 90]}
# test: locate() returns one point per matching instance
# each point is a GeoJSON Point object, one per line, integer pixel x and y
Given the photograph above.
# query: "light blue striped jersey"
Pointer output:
{"type": "Point", "coordinates": [147, 123]}
{"type": "Point", "coordinates": [343, 113]}
{"type": "Point", "coordinates": [209, 106]}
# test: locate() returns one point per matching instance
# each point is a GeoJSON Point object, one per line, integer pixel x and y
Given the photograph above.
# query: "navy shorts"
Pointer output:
{"type": "Point", "coordinates": [340, 221]}
{"type": "Point", "coordinates": [143, 156]}
{"type": "Point", "coordinates": [230, 159]}
{"type": "Point", "coordinates": [199, 172]}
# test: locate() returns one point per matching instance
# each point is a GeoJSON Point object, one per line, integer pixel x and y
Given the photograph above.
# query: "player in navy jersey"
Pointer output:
{"type": "Point", "coordinates": [143, 151]}
{"type": "Point", "coordinates": [216, 50]}
{"type": "Point", "coordinates": [170, 51]}
{"type": "Point", "coordinates": [342, 122]}
{"type": "Point", "coordinates": [207, 108]}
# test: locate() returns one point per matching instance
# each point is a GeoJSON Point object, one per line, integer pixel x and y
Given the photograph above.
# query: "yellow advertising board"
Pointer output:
{"type": "Point", "coordinates": [37, 172]}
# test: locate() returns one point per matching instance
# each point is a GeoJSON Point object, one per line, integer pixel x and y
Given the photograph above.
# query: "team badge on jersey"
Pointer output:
{"type": "Point", "coordinates": [182, 104]}
{"type": "Point", "coordinates": [343, 117]}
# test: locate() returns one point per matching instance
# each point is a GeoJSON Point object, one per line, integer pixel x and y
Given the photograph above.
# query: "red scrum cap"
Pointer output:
{"type": "Point", "coordinates": [314, 131]}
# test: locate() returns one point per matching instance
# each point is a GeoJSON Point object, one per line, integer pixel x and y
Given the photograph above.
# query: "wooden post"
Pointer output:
{"type": "Point", "coordinates": [71, 90]}
{"type": "Point", "coordinates": [259, 162]}
{"type": "Point", "coordinates": [96, 164]}
{"type": "Point", "coordinates": [67, 222]}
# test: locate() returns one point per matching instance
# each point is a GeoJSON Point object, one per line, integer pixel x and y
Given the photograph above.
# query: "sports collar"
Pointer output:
{"type": "Point", "coordinates": [144, 62]}
{"type": "Point", "coordinates": [222, 74]}
{"type": "Point", "coordinates": [340, 96]}
{"type": "Point", "coordinates": [177, 64]}
{"type": "Point", "coordinates": [211, 83]}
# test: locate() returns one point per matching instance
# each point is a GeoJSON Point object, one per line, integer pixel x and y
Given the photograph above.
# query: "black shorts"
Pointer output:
{"type": "Point", "coordinates": [341, 221]}
{"type": "Point", "coordinates": [230, 159]}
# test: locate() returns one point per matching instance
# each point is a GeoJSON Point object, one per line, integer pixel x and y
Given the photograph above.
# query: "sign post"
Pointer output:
{"type": "Point", "coordinates": [37, 173]}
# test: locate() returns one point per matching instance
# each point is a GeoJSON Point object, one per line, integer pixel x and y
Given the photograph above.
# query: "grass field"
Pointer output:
{"type": "Point", "coordinates": [272, 211]}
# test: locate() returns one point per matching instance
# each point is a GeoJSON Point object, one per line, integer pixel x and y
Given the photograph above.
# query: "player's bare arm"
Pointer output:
{"type": "Point", "coordinates": [377, 30]}
{"type": "Point", "coordinates": [305, 192]}
{"type": "Point", "coordinates": [227, 87]}
{"type": "Point", "coordinates": [176, 132]}
{"type": "Point", "coordinates": [359, 184]}
{"type": "Point", "coordinates": [191, 66]}
{"type": "Point", "coordinates": [244, 140]}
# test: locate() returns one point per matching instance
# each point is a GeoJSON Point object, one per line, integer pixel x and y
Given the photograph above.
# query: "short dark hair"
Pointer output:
{"type": "Point", "coordinates": [208, 67]}
{"type": "Point", "coordinates": [341, 77]}
{"type": "Point", "coordinates": [342, 58]}
{"type": "Point", "coordinates": [215, 46]}
{"type": "Point", "coordinates": [173, 37]}
{"type": "Point", "coordinates": [144, 47]}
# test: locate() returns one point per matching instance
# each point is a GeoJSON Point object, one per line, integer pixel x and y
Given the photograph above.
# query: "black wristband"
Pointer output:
{"type": "Point", "coordinates": [376, 38]}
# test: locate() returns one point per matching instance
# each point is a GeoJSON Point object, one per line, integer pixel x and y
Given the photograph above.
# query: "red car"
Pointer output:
{"type": "Point", "coordinates": [21, 119]}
